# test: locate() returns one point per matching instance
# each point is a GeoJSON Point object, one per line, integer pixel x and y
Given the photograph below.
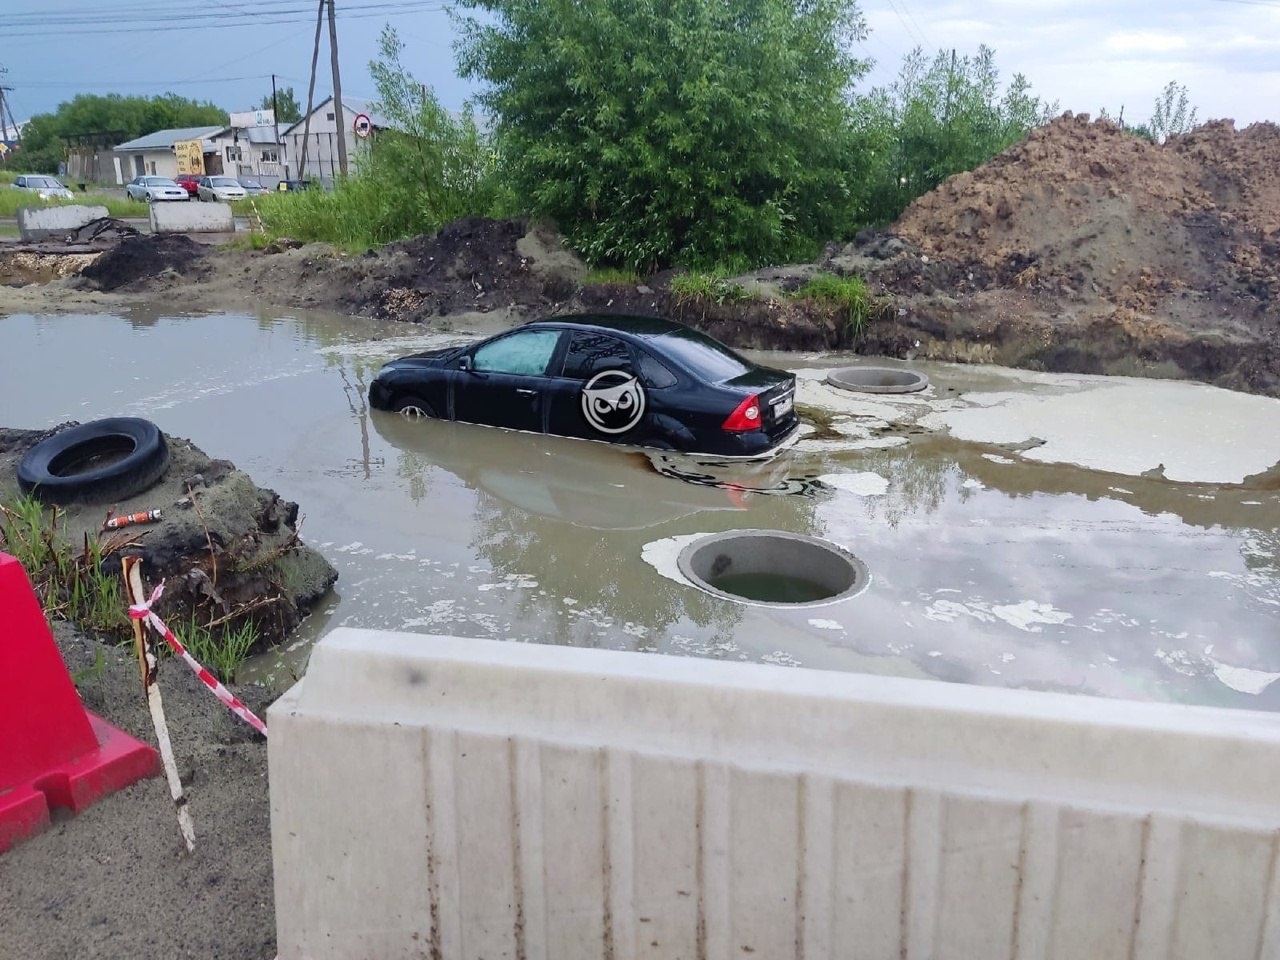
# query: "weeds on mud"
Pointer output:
{"type": "Point", "coordinates": [12, 200]}
{"type": "Point", "coordinates": [848, 295]}
{"type": "Point", "coordinates": [71, 585]}
{"type": "Point", "coordinates": [707, 287]}
{"type": "Point", "coordinates": [613, 275]}
{"type": "Point", "coordinates": [221, 649]}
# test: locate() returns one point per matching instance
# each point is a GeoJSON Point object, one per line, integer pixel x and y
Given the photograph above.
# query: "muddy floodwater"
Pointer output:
{"type": "Point", "coordinates": [1114, 537]}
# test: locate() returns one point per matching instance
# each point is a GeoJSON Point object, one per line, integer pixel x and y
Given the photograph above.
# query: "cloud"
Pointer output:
{"type": "Point", "coordinates": [1145, 41]}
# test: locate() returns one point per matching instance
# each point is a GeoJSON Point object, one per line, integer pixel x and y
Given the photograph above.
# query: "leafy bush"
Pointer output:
{"type": "Point", "coordinates": [430, 169]}
{"type": "Point", "coordinates": [940, 117]}
{"type": "Point", "coordinates": [690, 133]}
{"type": "Point", "coordinates": [712, 287]}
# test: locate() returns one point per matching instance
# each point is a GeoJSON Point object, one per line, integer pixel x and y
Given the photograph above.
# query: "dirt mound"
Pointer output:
{"type": "Point", "coordinates": [1169, 253]}
{"type": "Point", "coordinates": [139, 261]}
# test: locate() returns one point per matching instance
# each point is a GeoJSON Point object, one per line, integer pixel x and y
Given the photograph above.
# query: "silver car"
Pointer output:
{"type": "Point", "coordinates": [45, 186]}
{"type": "Point", "coordinates": [224, 189]}
{"type": "Point", "coordinates": [151, 189]}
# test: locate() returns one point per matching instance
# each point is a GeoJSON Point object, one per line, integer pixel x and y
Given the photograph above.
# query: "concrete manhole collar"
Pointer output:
{"type": "Point", "coordinates": [771, 568]}
{"type": "Point", "coordinates": [877, 379]}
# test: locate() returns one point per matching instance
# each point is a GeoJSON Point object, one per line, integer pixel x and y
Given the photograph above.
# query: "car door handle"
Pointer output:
{"type": "Point", "coordinates": [526, 393]}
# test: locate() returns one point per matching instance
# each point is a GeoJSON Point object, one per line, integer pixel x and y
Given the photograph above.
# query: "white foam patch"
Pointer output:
{"type": "Point", "coordinates": [1244, 679]}
{"type": "Point", "coordinates": [863, 484]}
{"type": "Point", "coordinates": [1028, 614]}
{"type": "Point", "coordinates": [996, 458]}
{"type": "Point", "coordinates": [972, 484]}
{"type": "Point", "coordinates": [663, 554]}
{"type": "Point", "coordinates": [825, 624]}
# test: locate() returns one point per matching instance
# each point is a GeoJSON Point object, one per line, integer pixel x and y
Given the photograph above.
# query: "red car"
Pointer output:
{"type": "Point", "coordinates": [189, 182]}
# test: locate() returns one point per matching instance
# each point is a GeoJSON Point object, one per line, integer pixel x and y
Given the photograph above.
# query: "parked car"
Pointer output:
{"type": "Point", "coordinates": [634, 380]}
{"type": "Point", "coordinates": [189, 182]}
{"type": "Point", "coordinates": [151, 189]}
{"type": "Point", "coordinates": [224, 189]}
{"type": "Point", "coordinates": [253, 188]}
{"type": "Point", "coordinates": [45, 186]}
{"type": "Point", "coordinates": [285, 185]}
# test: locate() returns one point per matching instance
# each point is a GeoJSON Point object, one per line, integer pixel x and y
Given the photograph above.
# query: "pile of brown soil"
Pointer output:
{"type": "Point", "coordinates": [136, 262]}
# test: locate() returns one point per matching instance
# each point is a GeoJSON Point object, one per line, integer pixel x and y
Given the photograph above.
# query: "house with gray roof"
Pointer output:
{"type": "Point", "coordinates": [154, 153]}
{"type": "Point", "coordinates": [321, 138]}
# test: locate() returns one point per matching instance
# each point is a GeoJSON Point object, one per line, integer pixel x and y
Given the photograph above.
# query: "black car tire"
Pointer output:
{"type": "Point", "coordinates": [48, 470]}
{"type": "Point", "coordinates": [403, 404]}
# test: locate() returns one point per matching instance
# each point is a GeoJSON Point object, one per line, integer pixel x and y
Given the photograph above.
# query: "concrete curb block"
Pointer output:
{"type": "Point", "coordinates": [41, 223]}
{"type": "Point", "coordinates": [432, 796]}
{"type": "Point", "coordinates": [192, 217]}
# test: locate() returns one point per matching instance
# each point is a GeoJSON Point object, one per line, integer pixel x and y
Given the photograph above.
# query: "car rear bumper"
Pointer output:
{"type": "Point", "coordinates": [752, 445]}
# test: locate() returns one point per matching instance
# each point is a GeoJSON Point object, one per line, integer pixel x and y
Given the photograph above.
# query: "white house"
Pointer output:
{"type": "Point", "coordinates": [154, 153]}
{"type": "Point", "coordinates": [322, 139]}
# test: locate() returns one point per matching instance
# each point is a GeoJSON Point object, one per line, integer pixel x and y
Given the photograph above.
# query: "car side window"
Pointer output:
{"type": "Point", "coordinates": [527, 353]}
{"type": "Point", "coordinates": [654, 374]}
{"type": "Point", "coordinates": [589, 353]}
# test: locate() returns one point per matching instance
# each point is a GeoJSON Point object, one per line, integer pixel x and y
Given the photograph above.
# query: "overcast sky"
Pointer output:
{"type": "Point", "coordinates": [1086, 54]}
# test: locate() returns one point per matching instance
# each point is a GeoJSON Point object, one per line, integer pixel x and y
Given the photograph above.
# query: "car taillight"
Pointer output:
{"type": "Point", "coordinates": [745, 417]}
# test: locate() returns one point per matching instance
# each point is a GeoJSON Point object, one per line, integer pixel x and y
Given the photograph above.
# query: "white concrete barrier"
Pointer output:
{"type": "Point", "coordinates": [192, 217]}
{"type": "Point", "coordinates": [42, 223]}
{"type": "Point", "coordinates": [466, 799]}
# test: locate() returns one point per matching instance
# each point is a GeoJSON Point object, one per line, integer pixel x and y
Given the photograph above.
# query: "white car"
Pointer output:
{"type": "Point", "coordinates": [151, 189]}
{"type": "Point", "coordinates": [223, 189]}
{"type": "Point", "coordinates": [45, 186]}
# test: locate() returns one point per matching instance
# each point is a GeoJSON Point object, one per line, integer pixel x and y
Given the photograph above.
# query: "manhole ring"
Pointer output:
{"type": "Point", "coordinates": [877, 379]}
{"type": "Point", "coordinates": [770, 568]}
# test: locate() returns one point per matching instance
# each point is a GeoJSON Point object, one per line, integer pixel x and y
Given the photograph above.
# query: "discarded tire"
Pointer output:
{"type": "Point", "coordinates": [97, 462]}
{"type": "Point", "coordinates": [772, 568]}
{"type": "Point", "coordinates": [877, 379]}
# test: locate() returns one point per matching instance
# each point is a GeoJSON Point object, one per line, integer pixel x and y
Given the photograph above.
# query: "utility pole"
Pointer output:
{"type": "Point", "coordinates": [4, 124]}
{"type": "Point", "coordinates": [275, 119]}
{"type": "Point", "coordinates": [337, 91]}
{"type": "Point", "coordinates": [311, 92]}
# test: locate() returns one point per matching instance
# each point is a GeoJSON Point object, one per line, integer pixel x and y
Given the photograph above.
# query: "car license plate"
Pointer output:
{"type": "Point", "coordinates": [783, 407]}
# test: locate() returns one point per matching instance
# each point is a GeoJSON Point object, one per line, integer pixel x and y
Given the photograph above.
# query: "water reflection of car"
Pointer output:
{"type": "Point", "coordinates": [582, 484]}
{"type": "Point", "coordinates": [634, 380]}
{"type": "Point", "coordinates": [43, 186]}
{"type": "Point", "coordinates": [151, 189]}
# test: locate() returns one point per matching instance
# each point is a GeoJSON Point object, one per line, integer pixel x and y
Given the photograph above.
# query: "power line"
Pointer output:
{"type": "Point", "coordinates": [206, 21]}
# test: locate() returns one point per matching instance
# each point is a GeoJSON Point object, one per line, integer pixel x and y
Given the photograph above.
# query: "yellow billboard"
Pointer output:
{"type": "Point", "coordinates": [190, 156]}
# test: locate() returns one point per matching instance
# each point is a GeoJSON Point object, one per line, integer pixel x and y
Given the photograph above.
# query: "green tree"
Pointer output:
{"type": "Point", "coordinates": [655, 132]}
{"type": "Point", "coordinates": [286, 106]}
{"type": "Point", "coordinates": [941, 116]}
{"type": "Point", "coordinates": [113, 117]}
{"type": "Point", "coordinates": [1173, 114]}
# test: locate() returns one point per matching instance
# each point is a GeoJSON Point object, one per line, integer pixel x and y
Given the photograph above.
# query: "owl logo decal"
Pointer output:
{"type": "Point", "coordinates": [613, 401]}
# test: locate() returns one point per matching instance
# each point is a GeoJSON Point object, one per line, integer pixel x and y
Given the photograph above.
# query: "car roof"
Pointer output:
{"type": "Point", "coordinates": [636, 326]}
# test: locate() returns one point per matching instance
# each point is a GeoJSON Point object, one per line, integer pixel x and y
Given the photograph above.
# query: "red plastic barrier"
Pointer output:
{"type": "Point", "coordinates": [53, 753]}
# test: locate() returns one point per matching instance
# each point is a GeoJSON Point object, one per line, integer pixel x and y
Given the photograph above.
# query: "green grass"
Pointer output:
{"type": "Point", "coordinates": [704, 287]}
{"type": "Point", "coordinates": [613, 275]}
{"type": "Point", "coordinates": [72, 584]}
{"type": "Point", "coordinates": [11, 200]}
{"type": "Point", "coordinates": [847, 295]}
{"type": "Point", "coordinates": [222, 649]}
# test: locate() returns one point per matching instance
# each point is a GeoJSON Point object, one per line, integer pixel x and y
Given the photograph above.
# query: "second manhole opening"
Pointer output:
{"type": "Point", "coordinates": [877, 379]}
{"type": "Point", "coordinates": [768, 567]}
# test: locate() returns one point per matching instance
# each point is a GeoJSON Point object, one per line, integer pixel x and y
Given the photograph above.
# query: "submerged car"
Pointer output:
{"type": "Point", "coordinates": [44, 186]}
{"type": "Point", "coordinates": [151, 189]}
{"type": "Point", "coordinates": [634, 380]}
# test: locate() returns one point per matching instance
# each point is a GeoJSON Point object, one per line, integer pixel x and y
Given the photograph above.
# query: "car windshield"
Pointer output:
{"type": "Point", "coordinates": [250, 183]}
{"type": "Point", "coordinates": [160, 182]}
{"type": "Point", "coordinates": [708, 359]}
{"type": "Point", "coordinates": [45, 183]}
{"type": "Point", "coordinates": [224, 182]}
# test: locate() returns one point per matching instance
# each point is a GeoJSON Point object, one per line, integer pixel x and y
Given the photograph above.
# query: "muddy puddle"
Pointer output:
{"type": "Point", "coordinates": [1113, 537]}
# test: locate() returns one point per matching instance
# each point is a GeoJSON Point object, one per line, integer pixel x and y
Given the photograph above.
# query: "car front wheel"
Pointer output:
{"type": "Point", "coordinates": [413, 408]}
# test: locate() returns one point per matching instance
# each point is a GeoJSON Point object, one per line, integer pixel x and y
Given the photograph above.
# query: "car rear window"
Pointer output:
{"type": "Point", "coordinates": [589, 353]}
{"type": "Point", "coordinates": [703, 356]}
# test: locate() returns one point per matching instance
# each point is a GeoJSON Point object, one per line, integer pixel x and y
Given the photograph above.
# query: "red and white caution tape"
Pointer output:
{"type": "Point", "coordinates": [142, 611]}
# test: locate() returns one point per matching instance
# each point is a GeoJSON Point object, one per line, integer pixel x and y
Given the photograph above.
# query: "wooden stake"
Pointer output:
{"type": "Point", "coordinates": [148, 663]}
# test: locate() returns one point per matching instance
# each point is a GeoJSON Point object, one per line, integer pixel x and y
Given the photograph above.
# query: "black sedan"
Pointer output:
{"type": "Point", "coordinates": [633, 380]}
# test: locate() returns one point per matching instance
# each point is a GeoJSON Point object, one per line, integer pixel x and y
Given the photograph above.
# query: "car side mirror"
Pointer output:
{"type": "Point", "coordinates": [464, 363]}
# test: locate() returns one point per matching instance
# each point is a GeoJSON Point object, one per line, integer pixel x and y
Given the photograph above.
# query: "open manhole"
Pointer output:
{"type": "Point", "coordinates": [771, 568]}
{"type": "Point", "coordinates": [877, 379]}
